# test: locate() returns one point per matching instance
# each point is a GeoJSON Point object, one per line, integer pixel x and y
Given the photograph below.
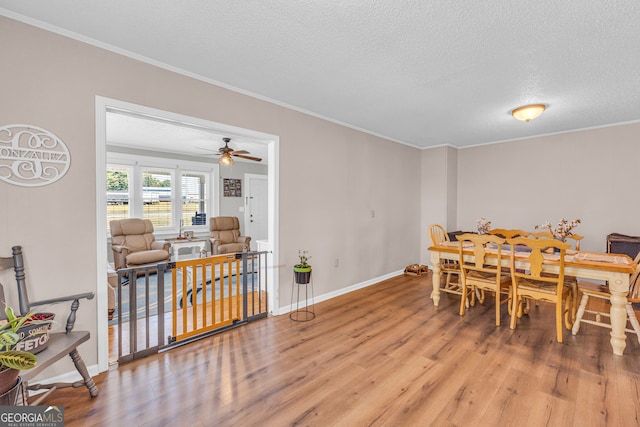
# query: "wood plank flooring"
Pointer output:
{"type": "Point", "coordinates": [380, 356]}
{"type": "Point", "coordinates": [256, 304]}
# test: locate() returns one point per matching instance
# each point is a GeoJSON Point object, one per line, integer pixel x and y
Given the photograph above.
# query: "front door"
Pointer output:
{"type": "Point", "coordinates": [256, 205]}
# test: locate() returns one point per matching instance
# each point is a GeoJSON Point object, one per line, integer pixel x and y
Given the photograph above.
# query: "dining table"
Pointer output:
{"type": "Point", "coordinates": [614, 269]}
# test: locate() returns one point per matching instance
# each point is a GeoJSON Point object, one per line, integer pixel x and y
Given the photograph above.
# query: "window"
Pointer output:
{"type": "Point", "coordinates": [118, 192]}
{"type": "Point", "coordinates": [194, 198]}
{"type": "Point", "coordinates": [157, 196]}
{"type": "Point", "coordinates": [173, 197]}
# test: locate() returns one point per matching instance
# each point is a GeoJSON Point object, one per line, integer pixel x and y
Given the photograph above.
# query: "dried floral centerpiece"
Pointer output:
{"type": "Point", "coordinates": [483, 226]}
{"type": "Point", "coordinates": [563, 230]}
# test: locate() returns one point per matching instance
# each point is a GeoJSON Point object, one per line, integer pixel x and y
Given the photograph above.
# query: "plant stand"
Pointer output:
{"type": "Point", "coordinates": [303, 311]}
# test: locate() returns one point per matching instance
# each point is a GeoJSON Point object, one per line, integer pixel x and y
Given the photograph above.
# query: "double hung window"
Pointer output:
{"type": "Point", "coordinates": [173, 194]}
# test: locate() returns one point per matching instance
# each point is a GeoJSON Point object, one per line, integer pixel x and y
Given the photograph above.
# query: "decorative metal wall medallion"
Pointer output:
{"type": "Point", "coordinates": [31, 156]}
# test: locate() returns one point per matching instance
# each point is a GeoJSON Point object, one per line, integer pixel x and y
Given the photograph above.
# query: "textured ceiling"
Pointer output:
{"type": "Point", "coordinates": [421, 73]}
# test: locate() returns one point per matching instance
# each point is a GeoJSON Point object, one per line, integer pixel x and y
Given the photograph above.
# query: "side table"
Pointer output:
{"type": "Point", "coordinates": [196, 246]}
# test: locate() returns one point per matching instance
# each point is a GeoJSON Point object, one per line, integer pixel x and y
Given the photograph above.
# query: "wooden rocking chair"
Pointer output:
{"type": "Point", "coordinates": [60, 345]}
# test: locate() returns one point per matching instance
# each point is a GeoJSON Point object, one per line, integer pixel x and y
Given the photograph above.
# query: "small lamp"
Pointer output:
{"type": "Point", "coordinates": [225, 160]}
{"type": "Point", "coordinates": [527, 113]}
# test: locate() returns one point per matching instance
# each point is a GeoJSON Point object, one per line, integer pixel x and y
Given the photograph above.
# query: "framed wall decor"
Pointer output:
{"type": "Point", "coordinates": [232, 187]}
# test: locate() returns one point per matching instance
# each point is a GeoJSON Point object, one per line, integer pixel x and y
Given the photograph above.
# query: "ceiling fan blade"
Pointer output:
{"type": "Point", "coordinates": [257, 159]}
{"type": "Point", "coordinates": [240, 152]}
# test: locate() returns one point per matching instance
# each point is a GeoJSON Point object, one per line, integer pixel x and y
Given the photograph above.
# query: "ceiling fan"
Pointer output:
{"type": "Point", "coordinates": [226, 152]}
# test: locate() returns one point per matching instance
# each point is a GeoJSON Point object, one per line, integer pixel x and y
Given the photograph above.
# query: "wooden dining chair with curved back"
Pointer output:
{"type": "Point", "coordinates": [480, 274]}
{"type": "Point", "coordinates": [449, 268]}
{"type": "Point", "coordinates": [533, 284]}
{"type": "Point", "coordinates": [596, 290]}
{"type": "Point", "coordinates": [508, 233]}
{"type": "Point", "coordinates": [574, 240]}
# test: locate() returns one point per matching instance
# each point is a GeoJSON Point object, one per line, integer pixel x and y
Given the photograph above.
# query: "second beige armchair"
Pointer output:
{"type": "Point", "coordinates": [225, 235]}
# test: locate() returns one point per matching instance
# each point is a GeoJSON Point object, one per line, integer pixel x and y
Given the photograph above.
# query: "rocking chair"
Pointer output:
{"type": "Point", "coordinates": [60, 343]}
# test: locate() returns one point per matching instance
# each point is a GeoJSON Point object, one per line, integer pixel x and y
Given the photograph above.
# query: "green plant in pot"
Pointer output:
{"type": "Point", "coordinates": [302, 270]}
{"type": "Point", "coordinates": [12, 361]}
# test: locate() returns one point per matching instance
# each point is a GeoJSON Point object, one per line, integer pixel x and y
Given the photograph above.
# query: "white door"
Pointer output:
{"type": "Point", "coordinates": [256, 204]}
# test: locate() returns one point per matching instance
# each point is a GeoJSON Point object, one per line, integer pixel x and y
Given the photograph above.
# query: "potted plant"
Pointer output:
{"type": "Point", "coordinates": [302, 270]}
{"type": "Point", "coordinates": [11, 360]}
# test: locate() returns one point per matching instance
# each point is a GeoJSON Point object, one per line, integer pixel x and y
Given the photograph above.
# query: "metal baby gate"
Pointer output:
{"type": "Point", "coordinates": [203, 296]}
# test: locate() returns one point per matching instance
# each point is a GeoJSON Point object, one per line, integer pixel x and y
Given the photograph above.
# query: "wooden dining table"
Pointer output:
{"type": "Point", "coordinates": [615, 269]}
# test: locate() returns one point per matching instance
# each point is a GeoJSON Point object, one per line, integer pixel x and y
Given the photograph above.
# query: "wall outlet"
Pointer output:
{"type": "Point", "coordinates": [337, 263]}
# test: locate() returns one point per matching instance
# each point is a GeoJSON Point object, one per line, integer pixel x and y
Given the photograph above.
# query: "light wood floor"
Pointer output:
{"type": "Point", "coordinates": [256, 304]}
{"type": "Point", "coordinates": [380, 356]}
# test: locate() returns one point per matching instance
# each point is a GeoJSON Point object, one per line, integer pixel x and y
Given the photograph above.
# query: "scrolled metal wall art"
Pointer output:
{"type": "Point", "coordinates": [31, 156]}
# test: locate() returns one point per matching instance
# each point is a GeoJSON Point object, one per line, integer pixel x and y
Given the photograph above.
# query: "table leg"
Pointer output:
{"type": "Point", "coordinates": [435, 293]}
{"type": "Point", "coordinates": [618, 313]}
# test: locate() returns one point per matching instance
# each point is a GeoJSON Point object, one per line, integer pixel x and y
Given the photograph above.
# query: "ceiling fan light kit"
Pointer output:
{"type": "Point", "coordinates": [225, 160]}
{"type": "Point", "coordinates": [526, 113]}
{"type": "Point", "coordinates": [226, 152]}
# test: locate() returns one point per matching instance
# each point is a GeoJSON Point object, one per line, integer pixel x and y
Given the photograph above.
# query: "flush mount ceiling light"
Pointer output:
{"type": "Point", "coordinates": [528, 112]}
{"type": "Point", "coordinates": [225, 159]}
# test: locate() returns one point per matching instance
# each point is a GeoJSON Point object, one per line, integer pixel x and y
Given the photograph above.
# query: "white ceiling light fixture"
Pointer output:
{"type": "Point", "coordinates": [225, 160]}
{"type": "Point", "coordinates": [526, 113]}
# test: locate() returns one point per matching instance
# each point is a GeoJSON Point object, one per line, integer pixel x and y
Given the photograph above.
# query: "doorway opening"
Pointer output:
{"type": "Point", "coordinates": [148, 119]}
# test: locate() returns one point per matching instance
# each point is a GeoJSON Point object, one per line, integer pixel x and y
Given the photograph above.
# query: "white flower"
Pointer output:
{"type": "Point", "coordinates": [483, 226]}
{"type": "Point", "coordinates": [563, 230]}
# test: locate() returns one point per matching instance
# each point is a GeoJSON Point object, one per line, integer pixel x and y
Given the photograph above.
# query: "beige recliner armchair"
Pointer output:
{"type": "Point", "coordinates": [225, 235]}
{"type": "Point", "coordinates": [134, 245]}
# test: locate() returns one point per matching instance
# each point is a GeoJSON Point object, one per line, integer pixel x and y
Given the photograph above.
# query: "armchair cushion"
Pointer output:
{"type": "Point", "coordinates": [147, 257]}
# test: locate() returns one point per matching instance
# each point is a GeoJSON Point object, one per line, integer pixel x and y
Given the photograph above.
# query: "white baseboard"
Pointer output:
{"type": "Point", "coordinates": [343, 291]}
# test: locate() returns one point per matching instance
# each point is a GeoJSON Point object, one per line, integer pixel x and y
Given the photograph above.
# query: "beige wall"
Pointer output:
{"type": "Point", "coordinates": [343, 194]}
{"type": "Point", "coordinates": [591, 175]}
{"type": "Point", "coordinates": [230, 206]}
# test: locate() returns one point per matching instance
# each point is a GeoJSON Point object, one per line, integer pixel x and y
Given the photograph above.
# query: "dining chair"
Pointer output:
{"type": "Point", "coordinates": [508, 233]}
{"type": "Point", "coordinates": [596, 290]}
{"type": "Point", "coordinates": [479, 274]}
{"type": "Point", "coordinates": [449, 268]}
{"type": "Point", "coordinates": [533, 284]}
{"type": "Point", "coordinates": [574, 239]}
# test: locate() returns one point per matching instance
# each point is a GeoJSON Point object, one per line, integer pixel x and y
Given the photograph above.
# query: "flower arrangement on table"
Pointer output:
{"type": "Point", "coordinates": [483, 226]}
{"type": "Point", "coordinates": [563, 230]}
